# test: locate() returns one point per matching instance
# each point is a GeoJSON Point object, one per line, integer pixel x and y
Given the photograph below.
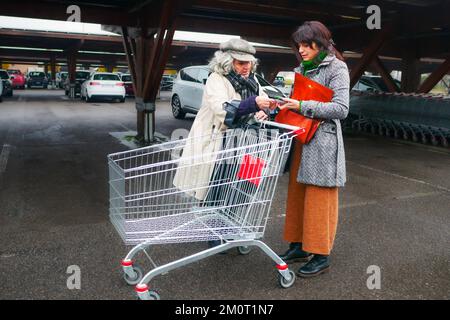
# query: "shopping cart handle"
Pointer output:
{"type": "Point", "coordinates": [279, 125]}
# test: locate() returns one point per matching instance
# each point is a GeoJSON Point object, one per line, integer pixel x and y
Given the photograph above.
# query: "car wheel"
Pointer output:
{"type": "Point", "coordinates": [87, 98]}
{"type": "Point", "coordinates": [177, 111]}
{"type": "Point", "coordinates": [122, 100]}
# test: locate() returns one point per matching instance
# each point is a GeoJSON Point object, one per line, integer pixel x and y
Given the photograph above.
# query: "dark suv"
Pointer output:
{"type": "Point", "coordinates": [7, 84]}
{"type": "Point", "coordinates": [80, 77]}
{"type": "Point", "coordinates": [37, 79]}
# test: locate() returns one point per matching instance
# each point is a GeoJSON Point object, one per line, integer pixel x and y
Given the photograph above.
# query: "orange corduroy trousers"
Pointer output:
{"type": "Point", "coordinates": [311, 212]}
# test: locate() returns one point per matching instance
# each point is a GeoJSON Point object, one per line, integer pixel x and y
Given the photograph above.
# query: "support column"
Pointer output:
{"type": "Point", "coordinates": [72, 65]}
{"type": "Point", "coordinates": [147, 52]}
{"type": "Point", "coordinates": [53, 70]}
{"type": "Point", "coordinates": [369, 54]}
{"type": "Point", "coordinates": [435, 77]}
{"type": "Point", "coordinates": [109, 67]}
{"type": "Point", "coordinates": [385, 75]}
{"type": "Point", "coordinates": [410, 72]}
{"type": "Point", "coordinates": [71, 69]}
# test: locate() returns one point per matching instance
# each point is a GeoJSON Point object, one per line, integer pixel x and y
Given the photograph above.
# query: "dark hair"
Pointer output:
{"type": "Point", "coordinates": [315, 31]}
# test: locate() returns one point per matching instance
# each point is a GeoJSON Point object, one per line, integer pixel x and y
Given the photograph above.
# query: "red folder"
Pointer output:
{"type": "Point", "coordinates": [305, 89]}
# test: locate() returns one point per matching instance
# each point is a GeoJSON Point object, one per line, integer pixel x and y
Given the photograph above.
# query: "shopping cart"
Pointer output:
{"type": "Point", "coordinates": [147, 208]}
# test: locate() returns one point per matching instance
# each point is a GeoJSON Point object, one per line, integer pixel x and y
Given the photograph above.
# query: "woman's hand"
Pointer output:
{"type": "Point", "coordinates": [265, 103]}
{"type": "Point", "coordinates": [290, 104]}
{"type": "Point", "coordinates": [261, 115]}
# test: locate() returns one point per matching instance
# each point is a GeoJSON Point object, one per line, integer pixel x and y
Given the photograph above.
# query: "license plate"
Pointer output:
{"type": "Point", "coordinates": [108, 85]}
{"type": "Point", "coordinates": [38, 83]}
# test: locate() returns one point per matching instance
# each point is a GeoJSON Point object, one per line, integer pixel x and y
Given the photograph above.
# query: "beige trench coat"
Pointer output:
{"type": "Point", "coordinates": [205, 138]}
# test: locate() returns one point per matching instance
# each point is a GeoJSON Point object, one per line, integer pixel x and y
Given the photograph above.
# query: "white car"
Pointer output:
{"type": "Point", "coordinates": [187, 91]}
{"type": "Point", "coordinates": [103, 85]}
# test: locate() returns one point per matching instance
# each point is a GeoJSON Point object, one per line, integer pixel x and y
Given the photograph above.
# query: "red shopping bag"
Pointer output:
{"type": "Point", "coordinates": [251, 169]}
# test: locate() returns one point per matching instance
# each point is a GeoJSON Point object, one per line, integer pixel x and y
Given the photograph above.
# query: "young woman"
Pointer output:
{"type": "Point", "coordinates": [318, 168]}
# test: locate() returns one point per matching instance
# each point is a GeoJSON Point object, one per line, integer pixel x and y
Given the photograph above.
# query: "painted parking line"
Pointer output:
{"type": "Point", "coordinates": [4, 157]}
{"type": "Point", "coordinates": [399, 176]}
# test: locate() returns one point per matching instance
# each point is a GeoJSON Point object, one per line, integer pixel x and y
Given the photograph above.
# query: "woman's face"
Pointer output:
{"type": "Point", "coordinates": [308, 52]}
{"type": "Point", "coordinates": [242, 67]}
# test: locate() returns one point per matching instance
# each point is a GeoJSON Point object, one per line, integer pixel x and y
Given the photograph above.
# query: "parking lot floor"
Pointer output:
{"type": "Point", "coordinates": [394, 214]}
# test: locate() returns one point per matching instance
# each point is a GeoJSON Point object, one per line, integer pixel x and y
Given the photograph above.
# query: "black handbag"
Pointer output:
{"type": "Point", "coordinates": [231, 119]}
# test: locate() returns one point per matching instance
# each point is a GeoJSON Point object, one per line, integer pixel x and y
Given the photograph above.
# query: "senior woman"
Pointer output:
{"type": "Point", "coordinates": [317, 168]}
{"type": "Point", "coordinates": [232, 78]}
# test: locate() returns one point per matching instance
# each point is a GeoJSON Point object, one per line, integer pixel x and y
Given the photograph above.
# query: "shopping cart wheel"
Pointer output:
{"type": "Point", "coordinates": [244, 250]}
{"type": "Point", "coordinates": [139, 274]}
{"type": "Point", "coordinates": [154, 295]}
{"type": "Point", "coordinates": [284, 283]}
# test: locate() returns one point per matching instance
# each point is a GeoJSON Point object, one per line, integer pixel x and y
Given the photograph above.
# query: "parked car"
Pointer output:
{"type": "Point", "coordinates": [103, 85]}
{"type": "Point", "coordinates": [188, 88]}
{"type": "Point", "coordinates": [7, 90]}
{"type": "Point", "coordinates": [17, 78]}
{"type": "Point", "coordinates": [128, 83]}
{"type": "Point", "coordinates": [37, 79]}
{"type": "Point", "coordinates": [166, 83]}
{"type": "Point", "coordinates": [61, 79]}
{"type": "Point", "coordinates": [80, 77]}
{"type": "Point", "coordinates": [1, 91]}
{"type": "Point", "coordinates": [372, 83]}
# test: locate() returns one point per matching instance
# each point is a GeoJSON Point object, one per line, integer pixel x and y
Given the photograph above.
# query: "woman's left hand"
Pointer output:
{"type": "Point", "coordinates": [261, 115]}
{"type": "Point", "coordinates": [290, 104]}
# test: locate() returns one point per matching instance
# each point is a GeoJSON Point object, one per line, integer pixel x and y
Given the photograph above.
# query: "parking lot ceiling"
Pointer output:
{"type": "Point", "coordinates": [269, 21]}
{"type": "Point", "coordinates": [282, 13]}
{"type": "Point", "coordinates": [98, 43]}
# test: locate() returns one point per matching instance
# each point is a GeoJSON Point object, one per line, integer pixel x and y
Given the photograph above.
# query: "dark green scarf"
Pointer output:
{"type": "Point", "coordinates": [314, 63]}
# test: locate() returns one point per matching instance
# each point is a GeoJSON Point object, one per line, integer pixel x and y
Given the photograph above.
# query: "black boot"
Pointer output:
{"type": "Point", "coordinates": [215, 243]}
{"type": "Point", "coordinates": [317, 265]}
{"type": "Point", "coordinates": [295, 254]}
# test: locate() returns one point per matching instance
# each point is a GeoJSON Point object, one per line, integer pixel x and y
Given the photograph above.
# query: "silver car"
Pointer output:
{"type": "Point", "coordinates": [188, 88]}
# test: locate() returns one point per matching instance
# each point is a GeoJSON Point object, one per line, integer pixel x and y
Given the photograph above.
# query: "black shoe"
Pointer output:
{"type": "Point", "coordinates": [317, 265]}
{"type": "Point", "coordinates": [215, 243]}
{"type": "Point", "coordinates": [295, 254]}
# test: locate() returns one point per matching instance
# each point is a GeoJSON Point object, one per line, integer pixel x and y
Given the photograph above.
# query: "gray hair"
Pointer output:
{"type": "Point", "coordinates": [222, 63]}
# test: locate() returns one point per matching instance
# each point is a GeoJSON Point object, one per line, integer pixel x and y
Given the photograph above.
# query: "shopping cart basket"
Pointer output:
{"type": "Point", "coordinates": [147, 206]}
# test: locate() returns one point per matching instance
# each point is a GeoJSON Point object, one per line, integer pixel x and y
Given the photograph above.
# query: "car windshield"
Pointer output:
{"type": "Point", "coordinates": [35, 74]}
{"type": "Point", "coordinates": [380, 83]}
{"type": "Point", "coordinates": [4, 75]}
{"type": "Point", "coordinates": [82, 75]}
{"type": "Point", "coordinates": [126, 78]}
{"type": "Point", "coordinates": [63, 75]}
{"type": "Point", "coordinates": [13, 71]}
{"type": "Point", "coordinates": [263, 82]}
{"type": "Point", "coordinates": [112, 77]}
